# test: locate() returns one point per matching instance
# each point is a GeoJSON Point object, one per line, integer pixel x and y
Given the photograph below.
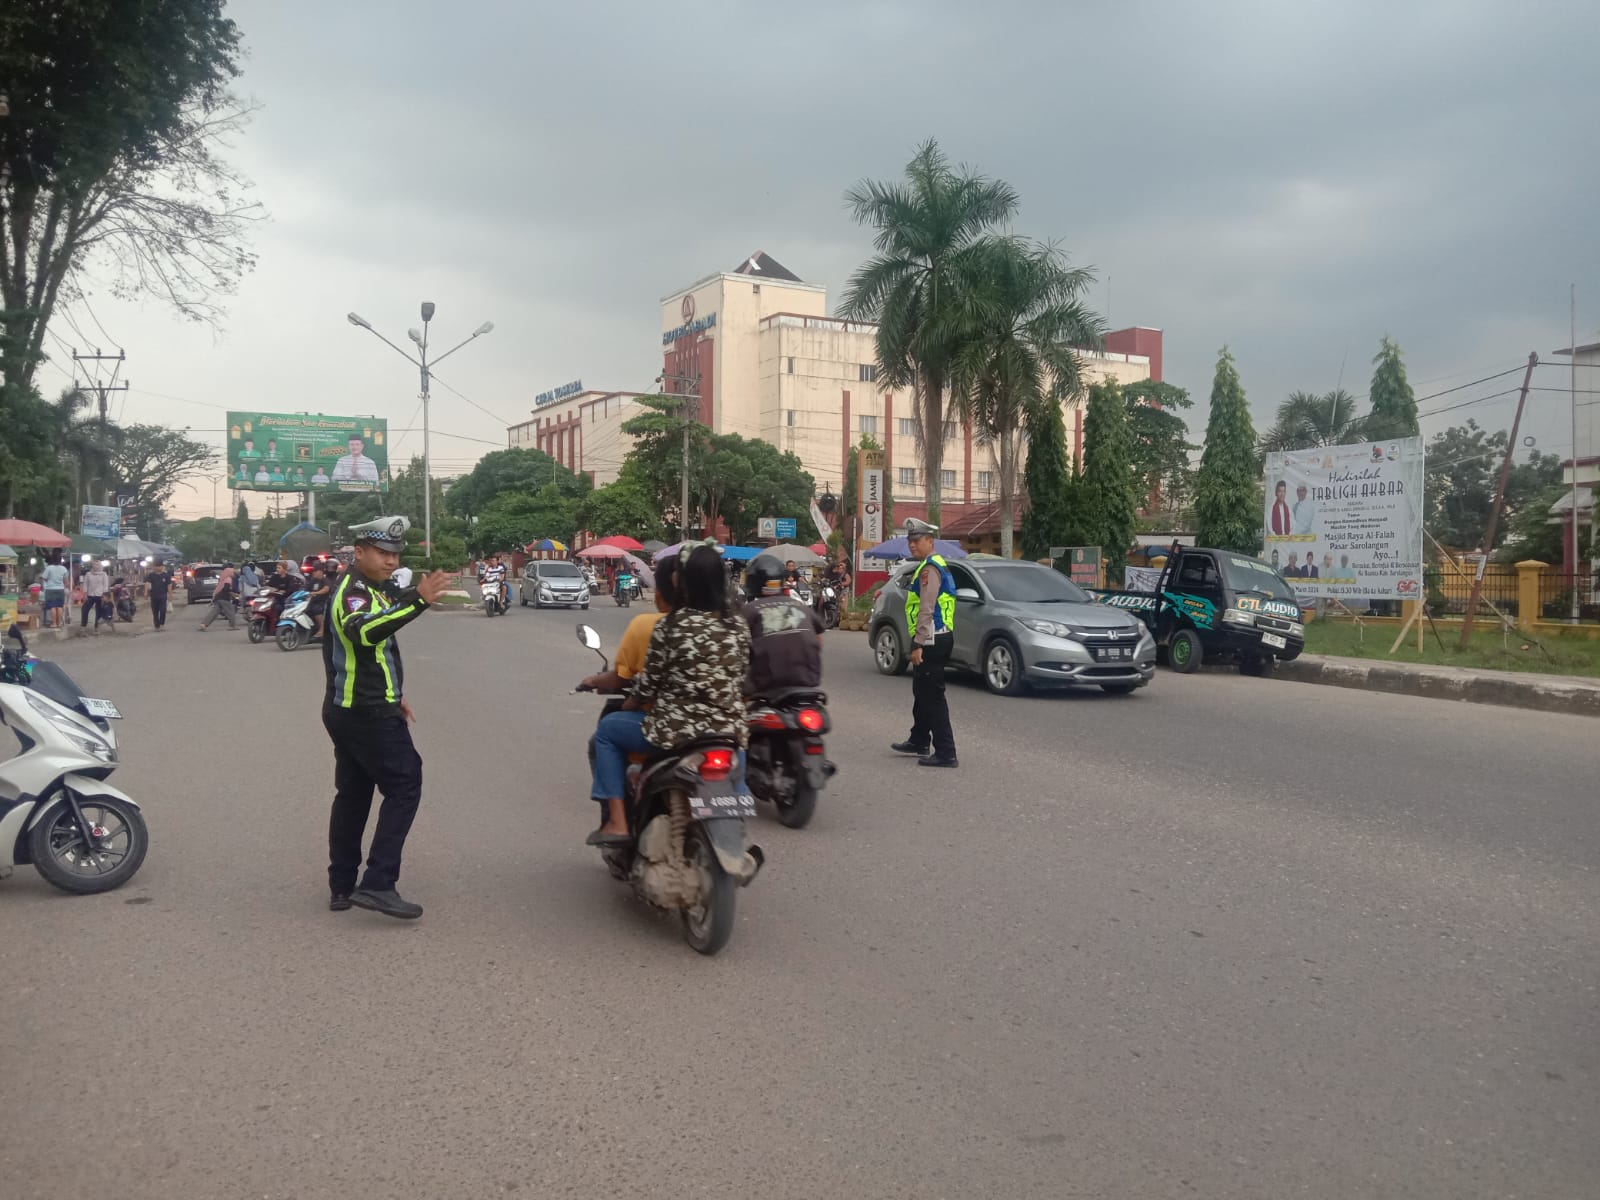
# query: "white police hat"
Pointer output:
{"type": "Point", "coordinates": [916, 528]}
{"type": "Point", "coordinates": [386, 533]}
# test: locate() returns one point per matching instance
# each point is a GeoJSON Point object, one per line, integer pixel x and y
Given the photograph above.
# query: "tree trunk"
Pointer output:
{"type": "Point", "coordinates": [932, 440]}
{"type": "Point", "coordinates": [1008, 490]}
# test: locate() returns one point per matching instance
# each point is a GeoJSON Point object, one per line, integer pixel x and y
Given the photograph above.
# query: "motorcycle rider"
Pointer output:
{"type": "Point", "coordinates": [494, 576]}
{"type": "Point", "coordinates": [692, 683]}
{"type": "Point", "coordinates": [321, 587]}
{"type": "Point", "coordinates": [785, 635]}
{"type": "Point", "coordinates": [791, 574]}
{"type": "Point", "coordinates": [636, 639]}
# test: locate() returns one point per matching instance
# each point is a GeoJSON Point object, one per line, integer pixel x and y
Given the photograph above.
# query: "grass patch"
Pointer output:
{"type": "Point", "coordinates": [1489, 650]}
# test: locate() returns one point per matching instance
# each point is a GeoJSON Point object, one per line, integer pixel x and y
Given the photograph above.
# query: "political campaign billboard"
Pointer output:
{"type": "Point", "coordinates": [307, 452]}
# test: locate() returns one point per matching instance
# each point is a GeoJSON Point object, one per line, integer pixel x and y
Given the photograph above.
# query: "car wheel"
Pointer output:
{"type": "Point", "coordinates": [1002, 667]}
{"type": "Point", "coordinates": [522, 598]}
{"type": "Point", "coordinates": [1185, 652]}
{"type": "Point", "coordinates": [886, 651]}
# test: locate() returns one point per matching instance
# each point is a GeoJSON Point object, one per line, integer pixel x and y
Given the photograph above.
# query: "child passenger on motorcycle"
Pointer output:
{"type": "Point", "coordinates": [692, 683]}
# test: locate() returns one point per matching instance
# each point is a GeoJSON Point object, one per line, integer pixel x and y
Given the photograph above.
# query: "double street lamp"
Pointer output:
{"type": "Point", "coordinates": [420, 337]}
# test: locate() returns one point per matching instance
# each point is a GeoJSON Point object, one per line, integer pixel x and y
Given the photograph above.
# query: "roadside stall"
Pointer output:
{"type": "Point", "coordinates": [10, 588]}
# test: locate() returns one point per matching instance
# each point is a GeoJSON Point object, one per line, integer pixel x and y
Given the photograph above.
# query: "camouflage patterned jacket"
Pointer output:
{"type": "Point", "coordinates": [694, 672]}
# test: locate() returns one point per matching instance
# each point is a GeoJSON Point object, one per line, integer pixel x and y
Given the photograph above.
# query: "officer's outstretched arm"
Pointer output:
{"type": "Point", "coordinates": [360, 623]}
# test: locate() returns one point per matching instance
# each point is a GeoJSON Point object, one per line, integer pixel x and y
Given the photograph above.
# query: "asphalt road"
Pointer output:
{"type": "Point", "coordinates": [1225, 938]}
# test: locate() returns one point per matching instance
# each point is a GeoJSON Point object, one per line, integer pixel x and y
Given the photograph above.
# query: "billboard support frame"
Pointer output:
{"type": "Point", "coordinates": [1500, 499]}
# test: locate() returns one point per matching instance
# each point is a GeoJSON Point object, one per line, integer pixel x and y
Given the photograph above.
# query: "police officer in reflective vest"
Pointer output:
{"type": "Point", "coordinates": [366, 715]}
{"type": "Point", "coordinates": [931, 621]}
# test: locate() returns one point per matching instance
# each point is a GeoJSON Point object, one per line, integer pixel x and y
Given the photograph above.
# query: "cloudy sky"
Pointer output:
{"type": "Point", "coordinates": [1292, 179]}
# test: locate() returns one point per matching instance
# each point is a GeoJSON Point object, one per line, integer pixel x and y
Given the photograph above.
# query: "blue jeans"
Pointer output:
{"type": "Point", "coordinates": [618, 735]}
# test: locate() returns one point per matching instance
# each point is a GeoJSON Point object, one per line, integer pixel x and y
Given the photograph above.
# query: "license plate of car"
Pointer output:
{"type": "Point", "coordinates": [1113, 653]}
{"type": "Point", "coordinates": [1273, 640]}
{"type": "Point", "coordinates": [739, 804]}
{"type": "Point", "coordinates": [100, 708]}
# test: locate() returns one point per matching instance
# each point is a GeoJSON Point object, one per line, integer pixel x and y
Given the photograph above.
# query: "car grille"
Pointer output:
{"type": "Point", "coordinates": [1110, 637]}
{"type": "Point", "coordinates": [1273, 623]}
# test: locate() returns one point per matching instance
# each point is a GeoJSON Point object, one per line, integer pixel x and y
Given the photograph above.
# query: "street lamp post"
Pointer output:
{"type": "Point", "coordinates": [420, 337]}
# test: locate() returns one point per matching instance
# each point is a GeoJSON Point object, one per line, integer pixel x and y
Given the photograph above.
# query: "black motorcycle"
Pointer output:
{"type": "Point", "coordinates": [788, 762]}
{"type": "Point", "coordinates": [686, 812]}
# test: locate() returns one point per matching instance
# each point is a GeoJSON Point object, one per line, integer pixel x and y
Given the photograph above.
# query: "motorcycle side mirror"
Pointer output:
{"type": "Point", "coordinates": [16, 632]}
{"type": "Point", "coordinates": [589, 637]}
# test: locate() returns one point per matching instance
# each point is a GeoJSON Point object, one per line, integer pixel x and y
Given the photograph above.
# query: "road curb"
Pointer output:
{"type": "Point", "coordinates": [1555, 695]}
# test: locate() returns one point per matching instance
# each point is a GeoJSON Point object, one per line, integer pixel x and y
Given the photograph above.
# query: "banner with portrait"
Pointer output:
{"type": "Point", "coordinates": [307, 452]}
{"type": "Point", "coordinates": [1346, 521]}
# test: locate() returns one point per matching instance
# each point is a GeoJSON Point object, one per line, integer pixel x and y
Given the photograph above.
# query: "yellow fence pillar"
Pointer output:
{"type": "Point", "coordinates": [1528, 592]}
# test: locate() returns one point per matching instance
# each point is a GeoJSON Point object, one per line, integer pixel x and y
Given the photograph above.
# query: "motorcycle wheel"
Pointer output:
{"type": "Point", "coordinates": [797, 813]}
{"type": "Point", "coordinates": [830, 616]}
{"type": "Point", "coordinates": [60, 854]}
{"type": "Point", "coordinates": [257, 632]}
{"type": "Point", "coordinates": [708, 926]}
{"type": "Point", "coordinates": [289, 637]}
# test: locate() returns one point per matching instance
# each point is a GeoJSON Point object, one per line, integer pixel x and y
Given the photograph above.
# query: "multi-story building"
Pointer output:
{"type": "Point", "coordinates": [756, 353]}
{"type": "Point", "coordinates": [581, 429]}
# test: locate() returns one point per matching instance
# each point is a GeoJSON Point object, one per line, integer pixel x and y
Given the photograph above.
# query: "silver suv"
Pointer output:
{"type": "Point", "coordinates": [1020, 624]}
{"type": "Point", "coordinates": [547, 582]}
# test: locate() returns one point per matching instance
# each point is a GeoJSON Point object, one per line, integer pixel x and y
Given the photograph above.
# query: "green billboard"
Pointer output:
{"type": "Point", "coordinates": [307, 452]}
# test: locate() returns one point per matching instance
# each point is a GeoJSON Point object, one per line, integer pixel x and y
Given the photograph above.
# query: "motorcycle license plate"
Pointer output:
{"type": "Point", "coordinates": [100, 708]}
{"type": "Point", "coordinates": [741, 804]}
{"type": "Point", "coordinates": [1273, 640]}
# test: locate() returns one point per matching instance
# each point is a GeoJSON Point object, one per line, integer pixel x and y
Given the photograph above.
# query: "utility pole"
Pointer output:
{"type": "Point", "coordinates": [102, 390]}
{"type": "Point", "coordinates": [1576, 572]}
{"type": "Point", "coordinates": [1499, 503]}
{"type": "Point", "coordinates": [688, 419]}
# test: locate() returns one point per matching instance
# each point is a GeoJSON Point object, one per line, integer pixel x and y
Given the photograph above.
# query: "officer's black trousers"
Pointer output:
{"type": "Point", "coordinates": [930, 715]}
{"type": "Point", "coordinates": [370, 750]}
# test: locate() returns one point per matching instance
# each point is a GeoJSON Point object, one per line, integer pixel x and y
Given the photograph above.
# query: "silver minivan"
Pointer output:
{"type": "Point", "coordinates": [1019, 625]}
{"type": "Point", "coordinates": [552, 582]}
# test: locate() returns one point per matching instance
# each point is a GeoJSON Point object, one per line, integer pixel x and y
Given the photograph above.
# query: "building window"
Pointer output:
{"type": "Point", "coordinates": [868, 373]}
{"type": "Point", "coordinates": [869, 424]}
{"type": "Point", "coordinates": [788, 417]}
{"type": "Point", "coordinates": [947, 479]}
{"type": "Point", "coordinates": [791, 364]}
{"type": "Point", "coordinates": [986, 481]}
{"type": "Point", "coordinates": [949, 431]}
{"type": "Point", "coordinates": [908, 477]}
{"type": "Point", "coordinates": [908, 427]}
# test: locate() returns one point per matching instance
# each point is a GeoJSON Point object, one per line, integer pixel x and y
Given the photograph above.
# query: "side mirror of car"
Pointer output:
{"type": "Point", "coordinates": [969, 594]}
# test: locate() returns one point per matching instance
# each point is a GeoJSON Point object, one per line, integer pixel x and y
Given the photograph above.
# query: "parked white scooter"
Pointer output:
{"type": "Point", "coordinates": [56, 809]}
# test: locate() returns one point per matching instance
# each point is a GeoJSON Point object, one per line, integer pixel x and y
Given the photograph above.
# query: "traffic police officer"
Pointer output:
{"type": "Point", "coordinates": [366, 715]}
{"type": "Point", "coordinates": [931, 621]}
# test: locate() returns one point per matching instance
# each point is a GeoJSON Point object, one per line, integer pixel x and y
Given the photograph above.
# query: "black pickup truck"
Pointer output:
{"type": "Point", "coordinates": [1217, 604]}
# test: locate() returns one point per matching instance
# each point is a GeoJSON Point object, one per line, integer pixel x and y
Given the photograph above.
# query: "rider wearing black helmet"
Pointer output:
{"type": "Point", "coordinates": [785, 635]}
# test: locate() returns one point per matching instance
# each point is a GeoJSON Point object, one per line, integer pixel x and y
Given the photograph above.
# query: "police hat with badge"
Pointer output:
{"type": "Point", "coordinates": [916, 529]}
{"type": "Point", "coordinates": [386, 533]}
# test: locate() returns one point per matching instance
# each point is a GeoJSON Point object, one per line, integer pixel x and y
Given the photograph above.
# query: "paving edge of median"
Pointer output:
{"type": "Point", "coordinates": [1554, 695]}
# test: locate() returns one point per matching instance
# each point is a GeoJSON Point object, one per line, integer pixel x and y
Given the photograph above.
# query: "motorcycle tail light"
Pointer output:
{"type": "Point", "coordinates": [810, 719]}
{"type": "Point", "coordinates": [813, 747]}
{"type": "Point", "coordinates": [765, 719]}
{"type": "Point", "coordinates": [716, 765]}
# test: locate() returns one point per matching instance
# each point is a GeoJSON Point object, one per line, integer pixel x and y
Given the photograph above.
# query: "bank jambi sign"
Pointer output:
{"type": "Point", "coordinates": [1346, 520]}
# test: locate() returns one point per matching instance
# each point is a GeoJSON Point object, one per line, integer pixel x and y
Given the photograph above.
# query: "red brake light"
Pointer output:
{"type": "Point", "coordinates": [716, 764]}
{"type": "Point", "coordinates": [766, 719]}
{"type": "Point", "coordinates": [810, 720]}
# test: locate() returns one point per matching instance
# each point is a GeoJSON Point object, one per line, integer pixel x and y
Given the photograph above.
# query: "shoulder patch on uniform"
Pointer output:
{"type": "Point", "coordinates": [355, 601]}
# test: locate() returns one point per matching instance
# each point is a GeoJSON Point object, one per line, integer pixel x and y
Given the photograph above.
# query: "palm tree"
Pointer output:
{"type": "Point", "coordinates": [922, 284]}
{"type": "Point", "coordinates": [1022, 357]}
{"type": "Point", "coordinates": [1307, 421]}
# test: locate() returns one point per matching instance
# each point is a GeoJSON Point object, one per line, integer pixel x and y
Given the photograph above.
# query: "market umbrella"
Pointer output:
{"type": "Point", "coordinates": [803, 556]}
{"type": "Point", "coordinates": [819, 548]}
{"type": "Point", "coordinates": [642, 570]}
{"type": "Point", "coordinates": [621, 541]}
{"type": "Point", "coordinates": [653, 547]}
{"type": "Point", "coordinates": [30, 533]}
{"type": "Point", "coordinates": [602, 551]}
{"type": "Point", "coordinates": [546, 544]}
{"type": "Point", "coordinates": [897, 548]}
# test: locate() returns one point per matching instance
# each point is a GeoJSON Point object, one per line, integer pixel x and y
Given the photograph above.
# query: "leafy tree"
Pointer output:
{"type": "Point", "coordinates": [514, 472]}
{"type": "Point", "coordinates": [657, 453]}
{"type": "Point", "coordinates": [109, 156]}
{"type": "Point", "coordinates": [1531, 532]}
{"type": "Point", "coordinates": [624, 506]}
{"type": "Point", "coordinates": [1020, 357]}
{"type": "Point", "coordinates": [1394, 407]}
{"type": "Point", "coordinates": [241, 522]}
{"type": "Point", "coordinates": [1160, 442]}
{"type": "Point", "coordinates": [777, 484]}
{"type": "Point", "coordinates": [154, 460]}
{"type": "Point", "coordinates": [1307, 421]}
{"type": "Point", "coordinates": [922, 284]}
{"type": "Point", "coordinates": [513, 519]}
{"type": "Point", "coordinates": [1463, 468]}
{"type": "Point", "coordinates": [206, 539]}
{"type": "Point", "coordinates": [1227, 501]}
{"type": "Point", "coordinates": [1108, 493]}
{"type": "Point", "coordinates": [1053, 505]}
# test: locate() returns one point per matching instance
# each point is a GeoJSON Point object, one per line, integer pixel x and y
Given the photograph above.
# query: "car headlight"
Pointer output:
{"type": "Point", "coordinates": [1296, 629]}
{"type": "Point", "coordinates": [1053, 628]}
{"type": "Point", "coordinates": [1234, 616]}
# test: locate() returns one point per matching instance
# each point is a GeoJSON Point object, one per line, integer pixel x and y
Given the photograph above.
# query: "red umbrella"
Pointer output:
{"type": "Point", "coordinates": [818, 548]}
{"type": "Point", "coordinates": [27, 533]}
{"type": "Point", "coordinates": [621, 541]}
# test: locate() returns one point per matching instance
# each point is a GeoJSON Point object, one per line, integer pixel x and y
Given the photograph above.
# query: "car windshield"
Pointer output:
{"type": "Point", "coordinates": [1029, 584]}
{"type": "Point", "coordinates": [557, 570]}
{"type": "Point", "coordinates": [1251, 575]}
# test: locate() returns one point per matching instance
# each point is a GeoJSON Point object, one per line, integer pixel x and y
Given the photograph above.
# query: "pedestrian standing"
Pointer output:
{"type": "Point", "coordinates": [157, 583]}
{"type": "Point", "coordinates": [931, 621]}
{"type": "Point", "coordinates": [222, 600]}
{"type": "Point", "coordinates": [55, 592]}
{"type": "Point", "coordinates": [249, 581]}
{"type": "Point", "coordinates": [95, 585]}
{"type": "Point", "coordinates": [369, 721]}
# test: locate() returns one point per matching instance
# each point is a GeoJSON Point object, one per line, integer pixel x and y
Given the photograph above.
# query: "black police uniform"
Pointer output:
{"type": "Point", "coordinates": [371, 741]}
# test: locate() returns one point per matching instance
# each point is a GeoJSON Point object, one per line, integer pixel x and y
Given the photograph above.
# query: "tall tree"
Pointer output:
{"type": "Point", "coordinates": [153, 460]}
{"type": "Point", "coordinates": [1227, 503]}
{"type": "Point", "coordinates": [657, 452]}
{"type": "Point", "coordinates": [1161, 446]}
{"type": "Point", "coordinates": [518, 471]}
{"type": "Point", "coordinates": [1307, 421]}
{"type": "Point", "coordinates": [513, 519]}
{"type": "Point", "coordinates": [1108, 492]}
{"type": "Point", "coordinates": [624, 506]}
{"type": "Point", "coordinates": [1463, 467]}
{"type": "Point", "coordinates": [1020, 357]}
{"type": "Point", "coordinates": [1053, 506]}
{"type": "Point", "coordinates": [1394, 407]}
{"type": "Point", "coordinates": [922, 286]}
{"type": "Point", "coordinates": [110, 155]}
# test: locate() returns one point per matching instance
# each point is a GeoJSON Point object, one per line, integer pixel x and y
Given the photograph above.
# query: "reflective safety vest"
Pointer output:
{"type": "Point", "coordinates": [944, 618]}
